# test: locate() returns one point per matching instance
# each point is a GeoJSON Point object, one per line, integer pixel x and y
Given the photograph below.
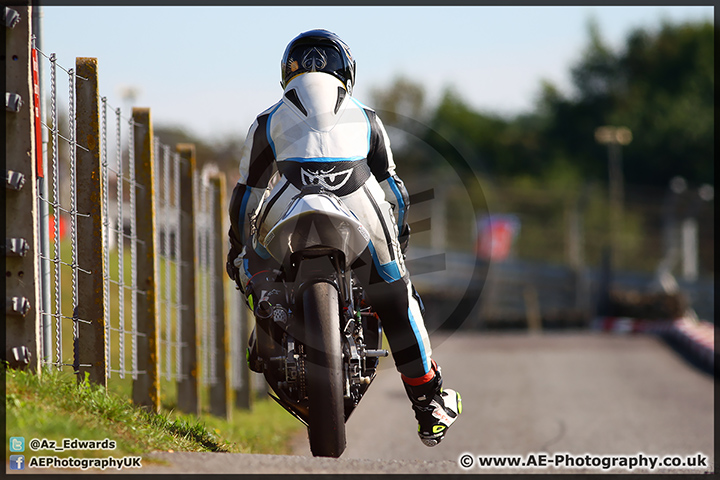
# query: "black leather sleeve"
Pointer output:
{"type": "Point", "coordinates": [378, 156]}
{"type": "Point", "coordinates": [235, 232]}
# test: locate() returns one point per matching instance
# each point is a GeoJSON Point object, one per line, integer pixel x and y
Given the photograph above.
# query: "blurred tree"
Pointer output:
{"type": "Point", "coordinates": [477, 136]}
{"type": "Point", "coordinates": [402, 109]}
{"type": "Point", "coordinates": [668, 102]}
{"type": "Point", "coordinates": [546, 163]}
{"type": "Point", "coordinates": [403, 98]}
{"type": "Point", "coordinates": [661, 86]}
{"type": "Point", "coordinates": [492, 144]}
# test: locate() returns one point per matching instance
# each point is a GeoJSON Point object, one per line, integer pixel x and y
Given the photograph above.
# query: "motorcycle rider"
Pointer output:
{"type": "Point", "coordinates": [318, 133]}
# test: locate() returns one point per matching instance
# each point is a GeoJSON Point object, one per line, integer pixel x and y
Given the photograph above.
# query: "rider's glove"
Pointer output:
{"type": "Point", "coordinates": [232, 270]}
{"type": "Point", "coordinates": [404, 238]}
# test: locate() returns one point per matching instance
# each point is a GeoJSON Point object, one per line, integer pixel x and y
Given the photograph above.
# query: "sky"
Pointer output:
{"type": "Point", "coordinates": [211, 70]}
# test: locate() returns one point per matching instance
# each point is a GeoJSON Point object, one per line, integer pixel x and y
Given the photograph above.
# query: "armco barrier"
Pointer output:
{"type": "Point", "coordinates": [695, 337]}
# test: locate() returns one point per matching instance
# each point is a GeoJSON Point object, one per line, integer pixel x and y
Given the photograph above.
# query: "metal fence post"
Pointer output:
{"type": "Point", "coordinates": [43, 190]}
{"type": "Point", "coordinates": [91, 255]}
{"type": "Point", "coordinates": [22, 269]}
{"type": "Point", "coordinates": [146, 388]}
{"type": "Point", "coordinates": [220, 391]}
{"type": "Point", "coordinates": [187, 385]}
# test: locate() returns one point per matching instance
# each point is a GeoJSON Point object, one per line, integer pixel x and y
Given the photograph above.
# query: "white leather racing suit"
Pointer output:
{"type": "Point", "coordinates": [319, 134]}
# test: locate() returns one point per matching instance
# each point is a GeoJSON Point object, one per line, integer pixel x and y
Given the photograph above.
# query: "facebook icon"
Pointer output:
{"type": "Point", "coordinates": [17, 462]}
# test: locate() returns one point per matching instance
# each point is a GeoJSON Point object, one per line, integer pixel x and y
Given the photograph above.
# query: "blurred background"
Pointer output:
{"type": "Point", "coordinates": [560, 159]}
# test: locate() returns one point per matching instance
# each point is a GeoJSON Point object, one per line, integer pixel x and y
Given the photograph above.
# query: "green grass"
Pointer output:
{"type": "Point", "coordinates": [55, 407]}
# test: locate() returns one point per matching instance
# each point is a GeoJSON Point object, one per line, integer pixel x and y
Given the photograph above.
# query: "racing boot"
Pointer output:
{"type": "Point", "coordinates": [251, 353]}
{"type": "Point", "coordinates": [435, 409]}
{"type": "Point", "coordinates": [268, 307]}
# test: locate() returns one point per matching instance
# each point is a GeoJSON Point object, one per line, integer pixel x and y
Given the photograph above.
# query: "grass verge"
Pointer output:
{"type": "Point", "coordinates": [53, 406]}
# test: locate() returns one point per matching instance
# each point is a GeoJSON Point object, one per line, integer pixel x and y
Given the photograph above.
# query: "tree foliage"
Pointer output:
{"type": "Point", "coordinates": [403, 98]}
{"type": "Point", "coordinates": [660, 84]}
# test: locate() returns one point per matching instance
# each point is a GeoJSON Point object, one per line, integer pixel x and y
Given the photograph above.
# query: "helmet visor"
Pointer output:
{"type": "Point", "coordinates": [313, 58]}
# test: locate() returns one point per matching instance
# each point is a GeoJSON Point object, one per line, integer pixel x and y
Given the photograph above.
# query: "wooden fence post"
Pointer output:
{"type": "Point", "coordinates": [221, 391]}
{"type": "Point", "coordinates": [187, 385]}
{"type": "Point", "coordinates": [243, 395]}
{"type": "Point", "coordinates": [91, 255]}
{"type": "Point", "coordinates": [146, 388]}
{"type": "Point", "coordinates": [22, 270]}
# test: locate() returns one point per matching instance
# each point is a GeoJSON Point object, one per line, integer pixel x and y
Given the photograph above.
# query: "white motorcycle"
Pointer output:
{"type": "Point", "coordinates": [318, 341]}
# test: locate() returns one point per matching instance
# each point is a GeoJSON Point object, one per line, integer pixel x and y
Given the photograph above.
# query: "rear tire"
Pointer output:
{"type": "Point", "coordinates": [324, 370]}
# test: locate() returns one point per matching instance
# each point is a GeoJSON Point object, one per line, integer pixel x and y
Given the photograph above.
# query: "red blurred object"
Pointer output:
{"type": "Point", "coordinates": [62, 227]}
{"type": "Point", "coordinates": [36, 111]}
{"type": "Point", "coordinates": [496, 236]}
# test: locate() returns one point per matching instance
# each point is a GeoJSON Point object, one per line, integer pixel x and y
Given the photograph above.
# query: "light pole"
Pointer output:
{"type": "Point", "coordinates": [689, 233]}
{"type": "Point", "coordinates": [615, 138]}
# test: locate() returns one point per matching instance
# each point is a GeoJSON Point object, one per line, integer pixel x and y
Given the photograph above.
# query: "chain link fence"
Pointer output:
{"type": "Point", "coordinates": [130, 238]}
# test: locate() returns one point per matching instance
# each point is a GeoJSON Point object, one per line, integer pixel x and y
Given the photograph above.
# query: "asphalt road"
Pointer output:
{"type": "Point", "coordinates": [579, 394]}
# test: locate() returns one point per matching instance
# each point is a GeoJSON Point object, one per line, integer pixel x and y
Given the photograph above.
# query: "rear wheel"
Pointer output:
{"type": "Point", "coordinates": [324, 372]}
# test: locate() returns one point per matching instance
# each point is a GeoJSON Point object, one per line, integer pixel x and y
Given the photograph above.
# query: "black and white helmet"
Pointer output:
{"type": "Point", "coordinates": [318, 51]}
